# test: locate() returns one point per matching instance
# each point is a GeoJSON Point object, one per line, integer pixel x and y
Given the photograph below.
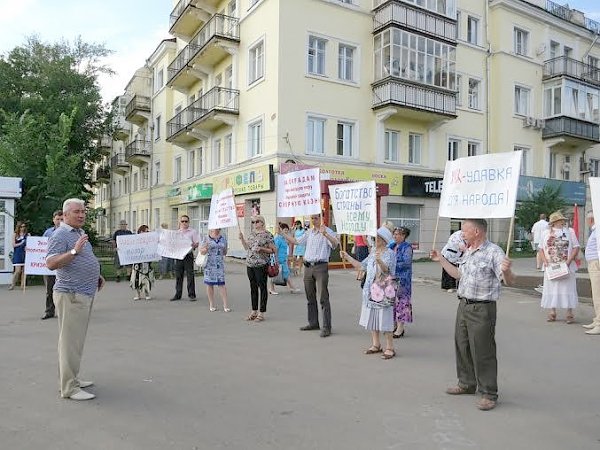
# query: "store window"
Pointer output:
{"type": "Point", "coordinates": [409, 216]}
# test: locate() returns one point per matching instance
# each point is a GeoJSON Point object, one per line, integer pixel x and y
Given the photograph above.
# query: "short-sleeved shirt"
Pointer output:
{"type": "Point", "coordinates": [120, 233]}
{"type": "Point", "coordinates": [81, 275]}
{"type": "Point", "coordinates": [481, 272]}
{"type": "Point", "coordinates": [591, 249]}
{"type": "Point", "coordinates": [254, 257]}
{"type": "Point", "coordinates": [318, 247]}
{"type": "Point", "coordinates": [453, 250]}
{"type": "Point", "coordinates": [49, 232]}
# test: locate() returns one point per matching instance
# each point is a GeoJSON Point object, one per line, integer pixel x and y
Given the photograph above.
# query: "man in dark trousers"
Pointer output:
{"type": "Point", "coordinates": [186, 265]}
{"type": "Point", "coordinates": [49, 280]}
{"type": "Point", "coordinates": [118, 267]}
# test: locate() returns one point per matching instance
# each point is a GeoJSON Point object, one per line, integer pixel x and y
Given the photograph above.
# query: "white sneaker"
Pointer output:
{"type": "Point", "coordinates": [148, 297]}
{"type": "Point", "coordinates": [595, 330]}
{"type": "Point", "coordinates": [82, 395]}
{"type": "Point", "coordinates": [589, 326]}
{"type": "Point", "coordinates": [539, 290]}
{"type": "Point", "coordinates": [451, 290]}
{"type": "Point", "coordinates": [84, 384]}
{"type": "Point", "coordinates": [136, 298]}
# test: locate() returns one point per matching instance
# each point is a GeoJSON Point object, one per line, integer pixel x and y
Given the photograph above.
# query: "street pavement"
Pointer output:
{"type": "Point", "coordinates": [172, 375]}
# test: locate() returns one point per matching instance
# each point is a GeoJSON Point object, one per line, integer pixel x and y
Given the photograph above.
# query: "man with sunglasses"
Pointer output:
{"type": "Point", "coordinates": [186, 265]}
{"type": "Point", "coordinates": [319, 241]}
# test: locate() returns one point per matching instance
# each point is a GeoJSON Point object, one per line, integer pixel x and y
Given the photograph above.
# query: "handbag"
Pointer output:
{"type": "Point", "coordinates": [272, 267]}
{"type": "Point", "coordinates": [278, 280]}
{"type": "Point", "coordinates": [201, 260]}
{"type": "Point", "coordinates": [383, 291]}
{"type": "Point", "coordinates": [556, 271]}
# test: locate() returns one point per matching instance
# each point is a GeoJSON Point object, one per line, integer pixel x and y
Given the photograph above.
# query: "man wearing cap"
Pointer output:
{"type": "Point", "coordinates": [480, 271]}
{"type": "Point", "coordinates": [319, 242]}
{"type": "Point", "coordinates": [593, 264]}
{"type": "Point", "coordinates": [120, 232]}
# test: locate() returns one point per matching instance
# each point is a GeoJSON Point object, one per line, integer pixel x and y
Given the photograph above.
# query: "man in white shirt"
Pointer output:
{"type": "Point", "coordinates": [537, 231]}
{"type": "Point", "coordinates": [593, 264]}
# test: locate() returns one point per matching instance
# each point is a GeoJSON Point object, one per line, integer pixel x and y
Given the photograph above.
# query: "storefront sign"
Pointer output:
{"type": "Point", "coordinates": [258, 179]}
{"type": "Point", "coordinates": [174, 192]}
{"type": "Point", "coordinates": [415, 186]}
{"type": "Point", "coordinates": [199, 191]}
{"type": "Point", "coordinates": [392, 178]}
{"type": "Point", "coordinates": [571, 191]}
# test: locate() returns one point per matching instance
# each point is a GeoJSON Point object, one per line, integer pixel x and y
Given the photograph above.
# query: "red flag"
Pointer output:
{"type": "Point", "coordinates": [576, 229]}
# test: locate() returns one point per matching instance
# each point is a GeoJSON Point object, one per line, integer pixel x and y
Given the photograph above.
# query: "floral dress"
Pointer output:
{"type": "Point", "coordinates": [376, 319]}
{"type": "Point", "coordinates": [557, 244]}
{"type": "Point", "coordinates": [404, 255]}
{"type": "Point", "coordinates": [214, 271]}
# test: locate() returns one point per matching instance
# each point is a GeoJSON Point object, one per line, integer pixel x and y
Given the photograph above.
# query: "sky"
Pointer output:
{"type": "Point", "coordinates": [131, 28]}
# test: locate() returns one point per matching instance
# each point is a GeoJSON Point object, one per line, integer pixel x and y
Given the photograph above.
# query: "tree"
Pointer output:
{"type": "Point", "coordinates": [546, 201]}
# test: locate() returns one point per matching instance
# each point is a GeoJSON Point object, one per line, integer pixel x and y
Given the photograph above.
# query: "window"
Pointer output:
{"type": "Point", "coordinates": [200, 164]}
{"type": "Point", "coordinates": [315, 135]}
{"type": "Point", "coordinates": [554, 49]}
{"type": "Point", "coordinates": [552, 101]}
{"type": "Point", "coordinates": [521, 40]}
{"type": "Point", "coordinates": [228, 149]}
{"type": "Point", "coordinates": [232, 8]}
{"type": "Point", "coordinates": [316, 55]}
{"type": "Point", "coordinates": [144, 178]}
{"type": "Point", "coordinates": [157, 128]}
{"type": "Point", "coordinates": [472, 30]}
{"type": "Point", "coordinates": [256, 62]}
{"type": "Point", "coordinates": [459, 93]}
{"type": "Point", "coordinates": [522, 100]}
{"type": "Point", "coordinates": [409, 216]}
{"type": "Point", "coordinates": [219, 80]}
{"type": "Point", "coordinates": [391, 146]}
{"type": "Point", "coordinates": [566, 168]}
{"type": "Point", "coordinates": [567, 51]}
{"type": "Point", "coordinates": [157, 172]}
{"type": "Point", "coordinates": [595, 167]}
{"type": "Point", "coordinates": [344, 138]}
{"type": "Point", "coordinates": [473, 148]}
{"type": "Point", "coordinates": [458, 25]}
{"type": "Point", "coordinates": [177, 170]}
{"type": "Point", "coordinates": [552, 166]}
{"type": "Point", "coordinates": [594, 62]}
{"type": "Point", "coordinates": [255, 138]}
{"type": "Point", "coordinates": [346, 62]}
{"type": "Point", "coordinates": [120, 190]}
{"type": "Point", "coordinates": [414, 148]}
{"type": "Point", "coordinates": [156, 220]}
{"type": "Point", "coordinates": [216, 154]}
{"type": "Point", "coordinates": [126, 185]}
{"type": "Point", "coordinates": [453, 149]}
{"type": "Point", "coordinates": [474, 88]}
{"type": "Point", "coordinates": [191, 163]}
{"type": "Point", "coordinates": [159, 80]}
{"type": "Point", "coordinates": [524, 158]}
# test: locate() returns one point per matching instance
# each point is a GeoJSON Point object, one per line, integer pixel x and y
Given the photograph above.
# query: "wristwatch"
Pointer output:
{"type": "Point", "coordinates": [73, 252]}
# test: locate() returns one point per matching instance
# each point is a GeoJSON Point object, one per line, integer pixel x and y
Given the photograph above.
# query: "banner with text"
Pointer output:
{"type": "Point", "coordinates": [138, 248]}
{"type": "Point", "coordinates": [354, 207]}
{"type": "Point", "coordinates": [36, 251]}
{"type": "Point", "coordinates": [594, 193]}
{"type": "Point", "coordinates": [482, 186]}
{"type": "Point", "coordinates": [173, 244]}
{"type": "Point", "coordinates": [298, 193]}
{"type": "Point", "coordinates": [223, 212]}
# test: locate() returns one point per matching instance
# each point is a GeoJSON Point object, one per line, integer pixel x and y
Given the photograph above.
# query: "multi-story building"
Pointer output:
{"type": "Point", "coordinates": [384, 90]}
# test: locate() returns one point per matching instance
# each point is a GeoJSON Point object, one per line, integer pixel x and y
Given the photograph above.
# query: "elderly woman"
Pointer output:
{"type": "Point", "coordinates": [215, 247]}
{"type": "Point", "coordinates": [559, 245]}
{"type": "Point", "coordinates": [142, 275]}
{"type": "Point", "coordinates": [377, 312]}
{"type": "Point", "coordinates": [260, 247]}
{"type": "Point", "coordinates": [404, 256]}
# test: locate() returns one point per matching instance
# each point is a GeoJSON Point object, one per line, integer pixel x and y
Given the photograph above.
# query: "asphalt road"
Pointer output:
{"type": "Point", "coordinates": [176, 376]}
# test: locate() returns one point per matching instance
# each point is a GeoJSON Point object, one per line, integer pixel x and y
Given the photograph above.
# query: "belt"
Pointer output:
{"type": "Point", "coordinates": [312, 264]}
{"type": "Point", "coordinates": [469, 301]}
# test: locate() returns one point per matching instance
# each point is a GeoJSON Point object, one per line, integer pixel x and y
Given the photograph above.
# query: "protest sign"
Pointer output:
{"type": "Point", "coordinates": [223, 213]}
{"type": "Point", "coordinates": [482, 186]}
{"type": "Point", "coordinates": [36, 251]}
{"type": "Point", "coordinates": [137, 248]}
{"type": "Point", "coordinates": [298, 193]}
{"type": "Point", "coordinates": [354, 207]}
{"type": "Point", "coordinates": [173, 244]}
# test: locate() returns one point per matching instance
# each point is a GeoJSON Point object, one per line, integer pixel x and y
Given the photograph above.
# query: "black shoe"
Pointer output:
{"type": "Point", "coordinates": [174, 299]}
{"type": "Point", "coordinates": [326, 332]}
{"type": "Point", "coordinates": [192, 298]}
{"type": "Point", "coordinates": [309, 327]}
{"type": "Point", "coordinates": [118, 278]}
{"type": "Point", "coordinates": [47, 316]}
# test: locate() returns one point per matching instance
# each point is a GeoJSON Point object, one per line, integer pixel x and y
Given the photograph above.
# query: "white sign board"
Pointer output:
{"type": "Point", "coordinates": [595, 194]}
{"type": "Point", "coordinates": [173, 244]}
{"type": "Point", "coordinates": [36, 251]}
{"type": "Point", "coordinates": [298, 193]}
{"type": "Point", "coordinates": [137, 248]}
{"type": "Point", "coordinates": [222, 210]}
{"type": "Point", "coordinates": [354, 207]}
{"type": "Point", "coordinates": [481, 187]}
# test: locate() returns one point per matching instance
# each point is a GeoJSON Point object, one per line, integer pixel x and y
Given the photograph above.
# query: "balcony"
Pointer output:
{"type": "Point", "coordinates": [218, 107]}
{"type": "Point", "coordinates": [571, 129]}
{"type": "Point", "coordinates": [138, 152]}
{"type": "Point", "coordinates": [118, 164]}
{"type": "Point", "coordinates": [418, 102]}
{"type": "Point", "coordinates": [218, 38]}
{"type": "Point", "coordinates": [413, 18]}
{"type": "Point", "coordinates": [189, 15]}
{"type": "Point", "coordinates": [104, 145]}
{"type": "Point", "coordinates": [137, 110]}
{"type": "Point", "coordinates": [102, 175]}
{"type": "Point", "coordinates": [562, 66]}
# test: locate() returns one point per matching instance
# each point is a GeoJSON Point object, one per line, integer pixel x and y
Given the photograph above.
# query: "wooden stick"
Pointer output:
{"type": "Point", "coordinates": [510, 233]}
{"type": "Point", "coordinates": [344, 242]}
{"type": "Point", "coordinates": [437, 222]}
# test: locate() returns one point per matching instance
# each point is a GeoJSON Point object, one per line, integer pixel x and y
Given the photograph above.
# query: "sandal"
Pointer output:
{"type": "Point", "coordinates": [388, 354]}
{"type": "Point", "coordinates": [252, 315]}
{"type": "Point", "coordinates": [227, 309]}
{"type": "Point", "coordinates": [373, 349]}
{"type": "Point", "coordinates": [551, 317]}
{"type": "Point", "coordinates": [570, 318]}
{"type": "Point", "coordinates": [212, 309]}
{"type": "Point", "coordinates": [259, 317]}
{"type": "Point", "coordinates": [273, 293]}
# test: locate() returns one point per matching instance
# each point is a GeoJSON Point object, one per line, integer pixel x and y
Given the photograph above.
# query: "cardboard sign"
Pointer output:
{"type": "Point", "coordinates": [36, 250]}
{"type": "Point", "coordinates": [138, 248]}
{"type": "Point", "coordinates": [483, 186]}
{"type": "Point", "coordinates": [354, 207]}
{"type": "Point", "coordinates": [173, 244]}
{"type": "Point", "coordinates": [298, 193]}
{"type": "Point", "coordinates": [223, 212]}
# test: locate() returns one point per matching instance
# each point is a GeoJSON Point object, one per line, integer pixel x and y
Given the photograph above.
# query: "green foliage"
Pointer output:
{"type": "Point", "coordinates": [546, 201]}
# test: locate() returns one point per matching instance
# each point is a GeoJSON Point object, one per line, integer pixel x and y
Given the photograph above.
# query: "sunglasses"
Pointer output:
{"type": "Point", "coordinates": [184, 221]}
{"type": "Point", "coordinates": [256, 221]}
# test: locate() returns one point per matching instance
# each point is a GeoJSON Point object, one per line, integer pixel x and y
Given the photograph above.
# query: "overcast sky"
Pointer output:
{"type": "Point", "coordinates": [132, 28]}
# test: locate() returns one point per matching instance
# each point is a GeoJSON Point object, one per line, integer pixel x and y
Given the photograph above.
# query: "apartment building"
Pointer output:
{"type": "Point", "coordinates": [384, 90]}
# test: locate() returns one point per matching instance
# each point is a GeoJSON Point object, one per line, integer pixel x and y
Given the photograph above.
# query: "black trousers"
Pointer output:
{"type": "Point", "coordinates": [50, 280]}
{"type": "Point", "coordinates": [449, 282]}
{"type": "Point", "coordinates": [258, 282]}
{"type": "Point", "coordinates": [185, 265]}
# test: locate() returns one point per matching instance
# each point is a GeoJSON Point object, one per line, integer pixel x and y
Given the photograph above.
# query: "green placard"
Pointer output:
{"type": "Point", "coordinates": [199, 191]}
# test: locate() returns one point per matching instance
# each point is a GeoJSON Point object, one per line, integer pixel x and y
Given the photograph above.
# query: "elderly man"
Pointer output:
{"type": "Point", "coordinates": [77, 280]}
{"type": "Point", "coordinates": [319, 242]}
{"type": "Point", "coordinates": [186, 265]}
{"type": "Point", "coordinates": [49, 280]}
{"type": "Point", "coordinates": [537, 232]}
{"type": "Point", "coordinates": [122, 231]}
{"type": "Point", "coordinates": [481, 270]}
{"type": "Point", "coordinates": [591, 256]}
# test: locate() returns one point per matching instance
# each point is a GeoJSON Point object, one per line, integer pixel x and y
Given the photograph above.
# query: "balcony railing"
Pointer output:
{"type": "Point", "coordinates": [219, 25]}
{"type": "Point", "coordinates": [137, 103]}
{"type": "Point", "coordinates": [565, 13]}
{"type": "Point", "coordinates": [564, 66]}
{"type": "Point", "coordinates": [394, 12]}
{"type": "Point", "coordinates": [118, 160]}
{"type": "Point", "coordinates": [397, 92]}
{"type": "Point", "coordinates": [569, 126]}
{"type": "Point", "coordinates": [138, 148]}
{"type": "Point", "coordinates": [102, 174]}
{"type": "Point", "coordinates": [177, 11]}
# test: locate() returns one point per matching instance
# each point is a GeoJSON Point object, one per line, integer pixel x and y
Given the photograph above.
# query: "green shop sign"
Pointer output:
{"type": "Point", "coordinates": [199, 191]}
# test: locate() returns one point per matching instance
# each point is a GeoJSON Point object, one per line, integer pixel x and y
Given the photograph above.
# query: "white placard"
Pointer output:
{"type": "Point", "coordinates": [36, 250]}
{"type": "Point", "coordinates": [595, 194]}
{"type": "Point", "coordinates": [173, 244]}
{"type": "Point", "coordinates": [354, 207]}
{"type": "Point", "coordinates": [138, 248]}
{"type": "Point", "coordinates": [298, 193]}
{"type": "Point", "coordinates": [482, 186]}
{"type": "Point", "coordinates": [222, 210]}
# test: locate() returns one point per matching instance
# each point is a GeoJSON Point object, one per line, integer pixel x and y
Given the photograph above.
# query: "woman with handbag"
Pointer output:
{"type": "Point", "coordinates": [559, 248]}
{"type": "Point", "coordinates": [260, 247]}
{"type": "Point", "coordinates": [215, 249]}
{"type": "Point", "coordinates": [404, 257]}
{"type": "Point", "coordinates": [379, 293]}
{"type": "Point", "coordinates": [283, 277]}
